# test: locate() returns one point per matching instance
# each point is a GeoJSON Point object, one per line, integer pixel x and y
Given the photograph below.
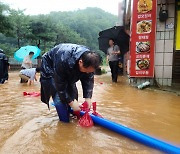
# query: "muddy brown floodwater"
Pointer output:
{"type": "Point", "coordinates": [27, 126]}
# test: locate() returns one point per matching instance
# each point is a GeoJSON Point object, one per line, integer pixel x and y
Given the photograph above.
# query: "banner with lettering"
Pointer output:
{"type": "Point", "coordinates": [142, 46]}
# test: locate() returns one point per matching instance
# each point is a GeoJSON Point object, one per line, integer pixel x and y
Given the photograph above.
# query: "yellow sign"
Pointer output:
{"type": "Point", "coordinates": [178, 31]}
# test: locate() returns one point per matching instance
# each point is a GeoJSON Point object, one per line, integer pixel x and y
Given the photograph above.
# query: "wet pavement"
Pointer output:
{"type": "Point", "coordinates": [27, 126]}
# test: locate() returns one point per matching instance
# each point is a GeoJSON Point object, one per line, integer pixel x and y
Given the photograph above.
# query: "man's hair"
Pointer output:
{"type": "Point", "coordinates": [31, 53]}
{"type": "Point", "coordinates": [91, 59]}
{"type": "Point", "coordinates": [38, 69]}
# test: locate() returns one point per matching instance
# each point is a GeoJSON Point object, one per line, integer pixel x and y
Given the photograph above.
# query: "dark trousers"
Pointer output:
{"type": "Point", "coordinates": [114, 70]}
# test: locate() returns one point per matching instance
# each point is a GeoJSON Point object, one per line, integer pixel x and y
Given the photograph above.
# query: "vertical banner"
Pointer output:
{"type": "Point", "coordinates": [142, 46]}
{"type": "Point", "coordinates": [178, 27]}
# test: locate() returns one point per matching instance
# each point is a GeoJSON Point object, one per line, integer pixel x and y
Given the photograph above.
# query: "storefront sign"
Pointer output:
{"type": "Point", "coordinates": [178, 28]}
{"type": "Point", "coordinates": [143, 29]}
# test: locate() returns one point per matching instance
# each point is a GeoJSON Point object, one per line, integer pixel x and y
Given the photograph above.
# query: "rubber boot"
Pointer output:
{"type": "Point", "coordinates": [63, 112]}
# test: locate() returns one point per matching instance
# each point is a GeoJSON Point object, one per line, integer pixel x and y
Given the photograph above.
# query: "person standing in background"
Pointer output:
{"type": "Point", "coordinates": [4, 66]}
{"type": "Point", "coordinates": [27, 62]}
{"type": "Point", "coordinates": [113, 53]}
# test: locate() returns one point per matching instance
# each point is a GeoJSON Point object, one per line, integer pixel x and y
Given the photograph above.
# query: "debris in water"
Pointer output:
{"type": "Point", "coordinates": [143, 85]}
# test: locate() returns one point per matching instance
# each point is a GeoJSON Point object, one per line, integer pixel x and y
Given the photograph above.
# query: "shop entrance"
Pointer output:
{"type": "Point", "coordinates": [176, 68]}
{"type": "Point", "coordinates": [176, 60]}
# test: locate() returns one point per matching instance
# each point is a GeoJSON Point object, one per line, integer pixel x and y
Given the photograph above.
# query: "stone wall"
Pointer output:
{"type": "Point", "coordinates": [164, 46]}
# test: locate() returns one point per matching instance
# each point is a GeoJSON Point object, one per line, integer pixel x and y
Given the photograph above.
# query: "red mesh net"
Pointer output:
{"type": "Point", "coordinates": [34, 94]}
{"type": "Point", "coordinates": [84, 106]}
{"type": "Point", "coordinates": [86, 120]}
{"type": "Point", "coordinates": [94, 110]}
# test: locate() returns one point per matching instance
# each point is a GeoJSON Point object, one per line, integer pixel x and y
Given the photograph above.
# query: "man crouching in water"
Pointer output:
{"type": "Point", "coordinates": [61, 68]}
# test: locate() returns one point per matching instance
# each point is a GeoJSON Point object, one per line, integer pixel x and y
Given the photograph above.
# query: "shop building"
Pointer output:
{"type": "Point", "coordinates": [164, 54]}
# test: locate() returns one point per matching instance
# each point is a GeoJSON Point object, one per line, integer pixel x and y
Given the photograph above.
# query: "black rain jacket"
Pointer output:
{"type": "Point", "coordinates": [3, 67]}
{"type": "Point", "coordinates": [60, 72]}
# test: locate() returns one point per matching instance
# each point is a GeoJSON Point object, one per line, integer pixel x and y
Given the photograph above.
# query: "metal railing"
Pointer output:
{"type": "Point", "coordinates": [12, 61]}
{"type": "Point", "coordinates": [15, 65]}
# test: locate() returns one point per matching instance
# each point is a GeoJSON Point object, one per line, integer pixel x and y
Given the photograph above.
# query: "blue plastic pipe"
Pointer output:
{"type": "Point", "coordinates": [135, 135]}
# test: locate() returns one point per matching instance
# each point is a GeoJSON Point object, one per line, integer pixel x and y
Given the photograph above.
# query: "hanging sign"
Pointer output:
{"type": "Point", "coordinates": [142, 46]}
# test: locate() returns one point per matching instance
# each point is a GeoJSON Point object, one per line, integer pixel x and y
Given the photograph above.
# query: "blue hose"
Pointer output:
{"type": "Point", "coordinates": [135, 135]}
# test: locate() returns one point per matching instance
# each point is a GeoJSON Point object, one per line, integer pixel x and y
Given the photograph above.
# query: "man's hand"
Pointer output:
{"type": "Point", "coordinates": [88, 100]}
{"type": "Point", "coordinates": [116, 52]}
{"type": "Point", "coordinates": [75, 106]}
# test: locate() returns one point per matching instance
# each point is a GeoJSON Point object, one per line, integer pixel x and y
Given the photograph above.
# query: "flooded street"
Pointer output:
{"type": "Point", "coordinates": [27, 126]}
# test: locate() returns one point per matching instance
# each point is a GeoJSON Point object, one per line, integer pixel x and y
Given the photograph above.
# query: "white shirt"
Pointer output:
{"type": "Point", "coordinates": [26, 62]}
{"type": "Point", "coordinates": [112, 56]}
{"type": "Point", "coordinates": [29, 72]}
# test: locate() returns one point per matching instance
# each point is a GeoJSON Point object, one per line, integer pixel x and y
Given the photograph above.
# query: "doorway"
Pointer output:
{"type": "Point", "coordinates": [176, 58]}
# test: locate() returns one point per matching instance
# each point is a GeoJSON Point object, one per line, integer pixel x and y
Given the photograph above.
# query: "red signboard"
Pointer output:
{"type": "Point", "coordinates": [142, 47]}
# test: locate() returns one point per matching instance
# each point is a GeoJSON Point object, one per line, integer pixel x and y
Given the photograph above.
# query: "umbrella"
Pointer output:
{"type": "Point", "coordinates": [120, 37]}
{"type": "Point", "coordinates": [24, 51]}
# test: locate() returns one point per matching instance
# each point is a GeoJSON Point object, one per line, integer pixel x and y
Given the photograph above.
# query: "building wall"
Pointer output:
{"type": "Point", "coordinates": [164, 49]}
{"type": "Point", "coordinates": [164, 46]}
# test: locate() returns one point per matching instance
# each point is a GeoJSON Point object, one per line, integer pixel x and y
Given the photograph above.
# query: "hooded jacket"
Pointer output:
{"type": "Point", "coordinates": [3, 67]}
{"type": "Point", "coordinates": [60, 72]}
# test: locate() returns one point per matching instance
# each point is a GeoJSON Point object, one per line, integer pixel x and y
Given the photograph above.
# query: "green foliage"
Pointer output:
{"type": "Point", "coordinates": [20, 24]}
{"type": "Point", "coordinates": [8, 50]}
{"type": "Point", "coordinates": [46, 31]}
{"type": "Point", "coordinates": [5, 24]}
{"type": "Point", "coordinates": [43, 28]}
{"type": "Point", "coordinates": [66, 35]}
{"type": "Point", "coordinates": [103, 71]}
{"type": "Point", "coordinates": [104, 63]}
{"type": "Point", "coordinates": [87, 23]}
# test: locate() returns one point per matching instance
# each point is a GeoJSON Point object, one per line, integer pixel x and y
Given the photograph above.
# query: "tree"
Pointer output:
{"type": "Point", "coordinates": [66, 35]}
{"type": "Point", "coordinates": [20, 24]}
{"type": "Point", "coordinates": [80, 27]}
{"type": "Point", "coordinates": [42, 29]}
{"type": "Point", "coordinates": [5, 24]}
{"type": "Point", "coordinates": [87, 23]}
